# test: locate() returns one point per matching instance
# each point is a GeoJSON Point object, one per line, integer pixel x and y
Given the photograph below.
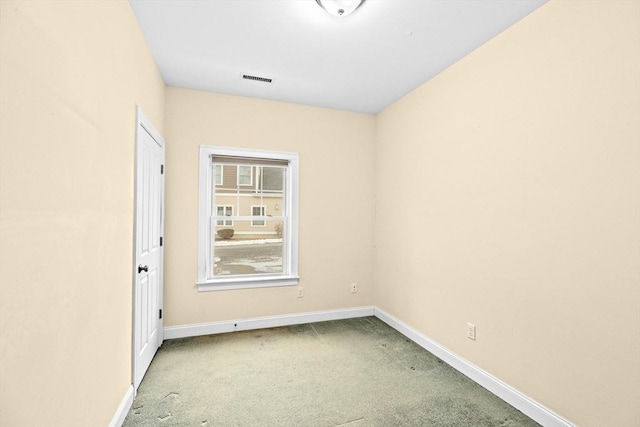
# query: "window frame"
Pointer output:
{"type": "Point", "coordinates": [206, 226]}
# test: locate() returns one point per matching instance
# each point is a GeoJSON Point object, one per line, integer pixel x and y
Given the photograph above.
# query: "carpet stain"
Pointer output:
{"type": "Point", "coordinates": [357, 420]}
{"type": "Point", "coordinates": [165, 418]}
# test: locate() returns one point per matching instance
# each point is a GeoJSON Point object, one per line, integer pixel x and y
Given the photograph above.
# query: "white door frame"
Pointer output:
{"type": "Point", "coordinates": [143, 124]}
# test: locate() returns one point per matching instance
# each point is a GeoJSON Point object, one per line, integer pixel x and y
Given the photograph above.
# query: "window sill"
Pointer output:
{"type": "Point", "coordinates": [246, 283]}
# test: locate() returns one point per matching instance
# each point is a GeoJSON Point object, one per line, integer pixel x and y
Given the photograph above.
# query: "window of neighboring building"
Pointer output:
{"type": "Point", "coordinates": [248, 227]}
{"type": "Point", "coordinates": [219, 174]}
{"type": "Point", "coordinates": [269, 179]}
{"type": "Point", "coordinates": [260, 211]}
{"type": "Point", "coordinates": [224, 211]}
{"type": "Point", "coordinates": [245, 175]}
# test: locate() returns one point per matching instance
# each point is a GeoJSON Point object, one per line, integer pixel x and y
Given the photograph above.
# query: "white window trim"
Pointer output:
{"type": "Point", "coordinates": [250, 184]}
{"type": "Point", "coordinates": [206, 227]}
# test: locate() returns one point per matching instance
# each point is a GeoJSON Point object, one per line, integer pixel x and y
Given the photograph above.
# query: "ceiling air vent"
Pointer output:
{"type": "Point", "coordinates": [256, 78]}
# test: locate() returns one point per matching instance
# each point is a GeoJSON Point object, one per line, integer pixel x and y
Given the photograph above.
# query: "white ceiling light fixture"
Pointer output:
{"type": "Point", "coordinates": [340, 7]}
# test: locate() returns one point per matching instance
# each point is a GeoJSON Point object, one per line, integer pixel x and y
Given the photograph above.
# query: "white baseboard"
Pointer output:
{"type": "Point", "coordinates": [123, 409]}
{"type": "Point", "coordinates": [184, 331]}
{"type": "Point", "coordinates": [507, 393]}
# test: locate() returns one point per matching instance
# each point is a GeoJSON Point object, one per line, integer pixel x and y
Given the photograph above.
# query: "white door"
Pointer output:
{"type": "Point", "coordinates": [148, 247]}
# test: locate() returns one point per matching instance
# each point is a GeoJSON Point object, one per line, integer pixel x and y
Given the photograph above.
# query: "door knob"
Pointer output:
{"type": "Point", "coordinates": [142, 268]}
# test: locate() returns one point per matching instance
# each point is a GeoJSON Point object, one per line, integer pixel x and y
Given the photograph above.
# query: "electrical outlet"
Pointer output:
{"type": "Point", "coordinates": [354, 288]}
{"type": "Point", "coordinates": [471, 331]}
{"type": "Point", "coordinates": [300, 291]}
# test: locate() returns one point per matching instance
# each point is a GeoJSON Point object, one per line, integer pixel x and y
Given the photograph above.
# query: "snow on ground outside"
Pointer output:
{"type": "Point", "coordinates": [260, 264]}
{"type": "Point", "coordinates": [246, 242]}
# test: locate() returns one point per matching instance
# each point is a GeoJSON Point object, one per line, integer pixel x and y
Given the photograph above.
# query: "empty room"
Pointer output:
{"type": "Point", "coordinates": [319, 212]}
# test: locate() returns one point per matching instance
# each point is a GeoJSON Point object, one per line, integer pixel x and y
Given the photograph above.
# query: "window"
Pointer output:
{"type": "Point", "coordinates": [248, 230]}
{"type": "Point", "coordinates": [219, 174]}
{"type": "Point", "coordinates": [224, 211]}
{"type": "Point", "coordinates": [260, 211]}
{"type": "Point", "coordinates": [245, 175]}
{"type": "Point", "coordinates": [269, 179]}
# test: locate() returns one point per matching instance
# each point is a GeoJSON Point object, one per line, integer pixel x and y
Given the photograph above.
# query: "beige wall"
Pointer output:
{"type": "Point", "coordinates": [521, 165]}
{"type": "Point", "coordinates": [336, 202]}
{"type": "Point", "coordinates": [71, 75]}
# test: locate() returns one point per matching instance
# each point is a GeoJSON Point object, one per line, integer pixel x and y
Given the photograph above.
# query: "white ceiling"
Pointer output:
{"type": "Point", "coordinates": [362, 62]}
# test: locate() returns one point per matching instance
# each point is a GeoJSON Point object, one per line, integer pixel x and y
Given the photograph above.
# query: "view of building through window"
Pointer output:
{"type": "Point", "coordinates": [250, 212]}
